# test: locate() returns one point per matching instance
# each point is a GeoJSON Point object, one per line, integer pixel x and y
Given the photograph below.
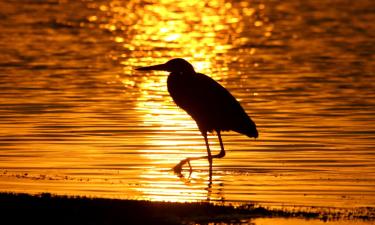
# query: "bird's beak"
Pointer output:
{"type": "Point", "coordinates": [162, 67]}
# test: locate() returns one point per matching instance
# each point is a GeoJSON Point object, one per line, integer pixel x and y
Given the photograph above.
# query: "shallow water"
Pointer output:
{"type": "Point", "coordinates": [77, 119]}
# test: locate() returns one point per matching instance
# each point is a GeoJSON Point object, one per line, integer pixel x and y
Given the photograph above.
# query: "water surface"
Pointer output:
{"type": "Point", "coordinates": [77, 119]}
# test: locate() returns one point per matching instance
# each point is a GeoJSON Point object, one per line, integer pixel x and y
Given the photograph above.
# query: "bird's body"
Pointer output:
{"type": "Point", "coordinates": [207, 102]}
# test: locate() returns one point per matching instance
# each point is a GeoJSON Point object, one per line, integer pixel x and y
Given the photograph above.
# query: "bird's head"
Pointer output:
{"type": "Point", "coordinates": [177, 65]}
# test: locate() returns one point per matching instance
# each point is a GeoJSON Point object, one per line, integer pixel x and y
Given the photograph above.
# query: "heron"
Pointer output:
{"type": "Point", "coordinates": [213, 107]}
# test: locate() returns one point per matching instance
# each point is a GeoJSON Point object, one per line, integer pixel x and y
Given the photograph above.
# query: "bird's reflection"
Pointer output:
{"type": "Point", "coordinates": [187, 180]}
{"type": "Point", "coordinates": [209, 185]}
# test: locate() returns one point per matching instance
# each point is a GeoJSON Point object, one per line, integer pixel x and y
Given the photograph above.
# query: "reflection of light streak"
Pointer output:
{"type": "Point", "coordinates": [199, 31]}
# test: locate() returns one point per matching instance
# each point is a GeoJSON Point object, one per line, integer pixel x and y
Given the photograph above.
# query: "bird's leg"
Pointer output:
{"type": "Point", "coordinates": [178, 168]}
{"type": "Point", "coordinates": [222, 151]}
{"type": "Point", "coordinates": [209, 156]}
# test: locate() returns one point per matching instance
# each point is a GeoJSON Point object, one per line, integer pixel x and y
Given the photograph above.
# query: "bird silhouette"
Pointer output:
{"type": "Point", "coordinates": [211, 105]}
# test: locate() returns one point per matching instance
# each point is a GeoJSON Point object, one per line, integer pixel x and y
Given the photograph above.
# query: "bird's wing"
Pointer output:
{"type": "Point", "coordinates": [225, 112]}
{"type": "Point", "coordinates": [210, 104]}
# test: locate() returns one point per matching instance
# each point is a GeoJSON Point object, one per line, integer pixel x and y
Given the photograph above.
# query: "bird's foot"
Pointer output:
{"type": "Point", "coordinates": [178, 167]}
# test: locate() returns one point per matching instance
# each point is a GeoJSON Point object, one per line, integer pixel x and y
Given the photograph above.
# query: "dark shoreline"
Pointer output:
{"type": "Point", "coordinates": [50, 209]}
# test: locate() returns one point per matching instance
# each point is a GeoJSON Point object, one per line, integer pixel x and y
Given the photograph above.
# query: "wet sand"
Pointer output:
{"type": "Point", "coordinates": [50, 209]}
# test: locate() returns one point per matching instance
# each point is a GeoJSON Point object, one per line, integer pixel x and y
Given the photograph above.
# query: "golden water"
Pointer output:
{"type": "Point", "coordinates": [77, 119]}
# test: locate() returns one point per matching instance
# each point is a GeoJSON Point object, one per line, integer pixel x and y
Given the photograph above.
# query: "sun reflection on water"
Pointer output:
{"type": "Point", "coordinates": [199, 31]}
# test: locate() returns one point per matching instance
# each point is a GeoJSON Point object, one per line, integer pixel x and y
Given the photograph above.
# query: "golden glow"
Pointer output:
{"type": "Point", "coordinates": [168, 29]}
{"type": "Point", "coordinates": [202, 32]}
{"type": "Point", "coordinates": [74, 122]}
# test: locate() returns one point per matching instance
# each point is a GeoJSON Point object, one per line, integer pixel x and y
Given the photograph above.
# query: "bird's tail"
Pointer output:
{"type": "Point", "coordinates": [252, 132]}
{"type": "Point", "coordinates": [249, 129]}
